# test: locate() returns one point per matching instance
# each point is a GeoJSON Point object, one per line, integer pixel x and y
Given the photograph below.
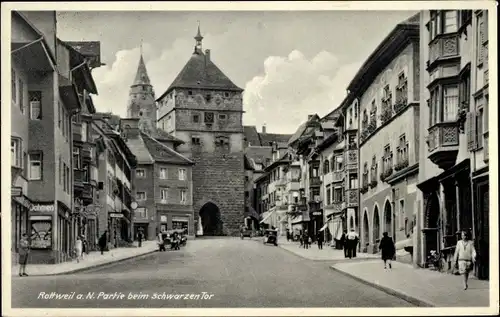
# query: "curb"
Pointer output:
{"type": "Point", "coordinates": [357, 259]}
{"type": "Point", "coordinates": [410, 299]}
{"type": "Point", "coordinates": [79, 270]}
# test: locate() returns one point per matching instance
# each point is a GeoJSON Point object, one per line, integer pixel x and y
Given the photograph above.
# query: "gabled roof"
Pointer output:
{"type": "Point", "coordinates": [264, 139]}
{"type": "Point", "coordinates": [251, 135]}
{"type": "Point", "coordinates": [140, 150]}
{"type": "Point", "coordinates": [162, 153]}
{"type": "Point", "coordinates": [200, 72]}
{"type": "Point", "coordinates": [162, 135]}
{"type": "Point", "coordinates": [259, 154]}
{"type": "Point", "coordinates": [305, 128]}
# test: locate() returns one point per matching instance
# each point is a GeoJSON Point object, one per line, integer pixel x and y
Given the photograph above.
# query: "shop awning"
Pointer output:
{"type": "Point", "coordinates": [301, 218]}
{"type": "Point", "coordinates": [337, 228]}
{"type": "Point", "coordinates": [324, 227]}
{"type": "Point", "coordinates": [267, 217]}
{"type": "Point", "coordinates": [251, 212]}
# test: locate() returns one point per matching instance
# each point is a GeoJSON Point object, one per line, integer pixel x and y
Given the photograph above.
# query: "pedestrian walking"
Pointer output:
{"type": "Point", "coordinates": [78, 248]}
{"type": "Point", "coordinates": [103, 240]}
{"type": "Point", "coordinates": [140, 237]}
{"type": "Point", "coordinates": [388, 249]}
{"type": "Point", "coordinates": [320, 240]}
{"type": "Point", "coordinates": [306, 240]}
{"type": "Point", "coordinates": [24, 250]}
{"type": "Point", "coordinates": [465, 256]}
{"type": "Point", "coordinates": [85, 246]}
{"type": "Point", "coordinates": [344, 241]}
{"type": "Point", "coordinates": [352, 242]}
{"type": "Point", "coordinates": [301, 240]}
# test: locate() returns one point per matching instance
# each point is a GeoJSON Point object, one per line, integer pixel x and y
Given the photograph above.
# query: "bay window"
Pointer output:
{"type": "Point", "coordinates": [450, 103]}
{"type": "Point", "coordinates": [442, 22]}
{"type": "Point", "coordinates": [337, 195]}
{"type": "Point", "coordinates": [353, 181]}
{"type": "Point", "coordinates": [450, 21]}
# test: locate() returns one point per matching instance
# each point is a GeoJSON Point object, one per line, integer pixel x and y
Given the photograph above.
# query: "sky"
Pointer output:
{"type": "Point", "coordinates": [290, 63]}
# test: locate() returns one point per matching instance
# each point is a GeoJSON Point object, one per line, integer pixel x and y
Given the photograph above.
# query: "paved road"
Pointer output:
{"type": "Point", "coordinates": [233, 273]}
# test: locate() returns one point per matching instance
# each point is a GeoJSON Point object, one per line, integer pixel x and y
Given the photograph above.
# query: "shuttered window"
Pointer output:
{"type": "Point", "coordinates": [471, 131]}
{"type": "Point", "coordinates": [479, 128]}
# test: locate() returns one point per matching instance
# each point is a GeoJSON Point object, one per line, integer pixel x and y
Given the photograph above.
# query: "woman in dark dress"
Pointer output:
{"type": "Point", "coordinates": [103, 240]}
{"type": "Point", "coordinates": [388, 250]}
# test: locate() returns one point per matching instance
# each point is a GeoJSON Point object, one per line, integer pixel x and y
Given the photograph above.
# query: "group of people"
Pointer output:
{"type": "Point", "coordinates": [349, 241]}
{"type": "Point", "coordinates": [175, 240]}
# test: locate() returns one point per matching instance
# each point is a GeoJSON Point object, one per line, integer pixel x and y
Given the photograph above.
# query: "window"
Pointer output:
{"type": "Point", "coordinates": [35, 98]}
{"type": "Point", "coordinates": [141, 212]}
{"type": "Point", "coordinates": [435, 24]}
{"type": "Point", "coordinates": [353, 181]}
{"type": "Point", "coordinates": [337, 195]}
{"type": "Point", "coordinates": [76, 157]}
{"type": "Point", "coordinates": [402, 149]}
{"type": "Point", "coordinates": [195, 140]}
{"type": "Point", "coordinates": [226, 95]}
{"type": "Point", "coordinates": [328, 195]}
{"type": "Point", "coordinates": [402, 215]}
{"type": "Point", "coordinates": [183, 196]}
{"type": "Point", "coordinates": [16, 150]}
{"type": "Point", "coordinates": [339, 163]}
{"type": "Point", "coordinates": [164, 195]}
{"type": "Point", "coordinates": [64, 177]}
{"type": "Point", "coordinates": [35, 172]}
{"type": "Point", "coordinates": [465, 17]}
{"type": "Point", "coordinates": [365, 174]}
{"type": "Point", "coordinates": [21, 95]}
{"type": "Point", "coordinates": [387, 158]}
{"type": "Point", "coordinates": [222, 117]}
{"type": "Point", "coordinates": [84, 130]}
{"type": "Point", "coordinates": [450, 103]}
{"type": "Point", "coordinates": [387, 91]}
{"type": "Point", "coordinates": [182, 174]}
{"type": "Point", "coordinates": [68, 175]}
{"type": "Point", "coordinates": [13, 82]}
{"type": "Point", "coordinates": [479, 127]}
{"type": "Point", "coordinates": [163, 173]}
{"type": "Point", "coordinates": [208, 97]}
{"type": "Point", "coordinates": [450, 21]}
{"type": "Point", "coordinates": [209, 117]}
{"type": "Point", "coordinates": [190, 92]}
{"type": "Point", "coordinates": [60, 171]}
{"type": "Point", "coordinates": [434, 107]}
{"type": "Point", "coordinates": [140, 173]}
{"type": "Point", "coordinates": [464, 91]}
{"type": "Point", "coordinates": [374, 169]}
{"type": "Point", "coordinates": [482, 38]}
{"type": "Point", "coordinates": [141, 196]}
{"type": "Point", "coordinates": [326, 167]}
{"type": "Point", "coordinates": [196, 118]}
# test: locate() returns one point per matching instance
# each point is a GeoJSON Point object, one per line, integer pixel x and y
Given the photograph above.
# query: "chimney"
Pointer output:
{"type": "Point", "coordinates": [207, 54]}
{"type": "Point", "coordinates": [264, 128]}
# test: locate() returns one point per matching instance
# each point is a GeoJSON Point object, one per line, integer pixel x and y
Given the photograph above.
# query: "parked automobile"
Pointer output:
{"type": "Point", "coordinates": [271, 236]}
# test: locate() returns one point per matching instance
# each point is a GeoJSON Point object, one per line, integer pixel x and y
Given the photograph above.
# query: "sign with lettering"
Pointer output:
{"type": "Point", "coordinates": [317, 213]}
{"type": "Point", "coordinates": [42, 207]}
{"type": "Point", "coordinates": [115, 215]}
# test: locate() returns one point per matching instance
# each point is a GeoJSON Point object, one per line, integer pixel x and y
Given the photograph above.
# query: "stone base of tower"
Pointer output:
{"type": "Point", "coordinates": [218, 192]}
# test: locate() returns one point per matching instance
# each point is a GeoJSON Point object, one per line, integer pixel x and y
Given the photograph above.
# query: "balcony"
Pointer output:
{"type": "Point", "coordinates": [443, 48]}
{"type": "Point", "coordinates": [77, 132]}
{"type": "Point", "coordinates": [314, 181]}
{"type": "Point", "coordinates": [352, 198]}
{"type": "Point", "coordinates": [443, 142]}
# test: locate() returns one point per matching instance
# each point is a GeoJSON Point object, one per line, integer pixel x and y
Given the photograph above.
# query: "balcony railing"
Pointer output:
{"type": "Point", "coordinates": [352, 197]}
{"type": "Point", "coordinates": [314, 181]}
{"type": "Point", "coordinates": [442, 142]}
{"type": "Point", "coordinates": [443, 47]}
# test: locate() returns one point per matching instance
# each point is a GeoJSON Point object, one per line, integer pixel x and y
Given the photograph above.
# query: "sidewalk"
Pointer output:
{"type": "Point", "coordinates": [327, 254]}
{"type": "Point", "coordinates": [421, 287]}
{"type": "Point", "coordinates": [91, 260]}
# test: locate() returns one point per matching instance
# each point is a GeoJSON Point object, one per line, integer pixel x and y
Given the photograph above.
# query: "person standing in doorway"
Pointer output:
{"type": "Point", "coordinates": [352, 242]}
{"type": "Point", "coordinates": [24, 250]}
{"type": "Point", "coordinates": [78, 248]}
{"type": "Point", "coordinates": [388, 250]}
{"type": "Point", "coordinates": [320, 240]}
{"type": "Point", "coordinates": [465, 256]}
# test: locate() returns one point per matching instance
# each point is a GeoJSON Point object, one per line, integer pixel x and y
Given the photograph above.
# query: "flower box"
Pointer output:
{"type": "Point", "coordinates": [385, 174]}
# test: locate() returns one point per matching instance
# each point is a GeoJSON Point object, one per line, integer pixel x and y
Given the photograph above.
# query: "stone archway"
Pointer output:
{"type": "Point", "coordinates": [388, 219]}
{"type": "Point", "coordinates": [376, 225]}
{"type": "Point", "coordinates": [211, 221]}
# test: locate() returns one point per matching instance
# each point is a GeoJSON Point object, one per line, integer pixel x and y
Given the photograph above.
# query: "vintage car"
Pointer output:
{"type": "Point", "coordinates": [246, 232]}
{"type": "Point", "coordinates": [271, 236]}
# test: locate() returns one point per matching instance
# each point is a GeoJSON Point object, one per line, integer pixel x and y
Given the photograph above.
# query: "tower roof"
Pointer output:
{"type": "Point", "coordinates": [141, 77]}
{"type": "Point", "coordinates": [201, 72]}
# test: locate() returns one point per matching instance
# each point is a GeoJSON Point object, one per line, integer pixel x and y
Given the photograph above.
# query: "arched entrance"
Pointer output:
{"type": "Point", "coordinates": [432, 219]}
{"type": "Point", "coordinates": [211, 220]}
{"type": "Point", "coordinates": [388, 219]}
{"type": "Point", "coordinates": [376, 225]}
{"type": "Point", "coordinates": [366, 229]}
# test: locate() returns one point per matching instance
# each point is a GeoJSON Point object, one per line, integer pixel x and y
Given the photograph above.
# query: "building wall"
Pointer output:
{"type": "Point", "coordinates": [146, 184]}
{"type": "Point", "coordinates": [218, 173]}
{"type": "Point", "coordinates": [46, 23]}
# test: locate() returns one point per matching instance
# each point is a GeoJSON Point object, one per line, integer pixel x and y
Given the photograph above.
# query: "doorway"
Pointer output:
{"type": "Point", "coordinates": [388, 219]}
{"type": "Point", "coordinates": [211, 220]}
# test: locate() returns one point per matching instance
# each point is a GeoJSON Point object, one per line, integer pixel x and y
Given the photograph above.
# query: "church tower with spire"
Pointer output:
{"type": "Point", "coordinates": [142, 103]}
{"type": "Point", "coordinates": [204, 108]}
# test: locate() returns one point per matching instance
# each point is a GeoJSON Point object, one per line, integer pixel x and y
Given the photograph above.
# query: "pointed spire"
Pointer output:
{"type": "Point", "coordinates": [198, 38]}
{"type": "Point", "coordinates": [141, 77]}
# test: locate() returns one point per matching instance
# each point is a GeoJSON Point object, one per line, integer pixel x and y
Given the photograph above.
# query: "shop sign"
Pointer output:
{"type": "Point", "coordinates": [115, 215]}
{"type": "Point", "coordinates": [42, 207]}
{"type": "Point", "coordinates": [317, 213]}
{"type": "Point", "coordinates": [41, 233]}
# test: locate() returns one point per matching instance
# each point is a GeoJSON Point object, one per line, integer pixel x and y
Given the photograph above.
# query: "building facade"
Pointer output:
{"type": "Point", "coordinates": [203, 108]}
{"type": "Point", "coordinates": [43, 102]}
{"type": "Point", "coordinates": [163, 178]}
{"type": "Point", "coordinates": [387, 91]}
{"type": "Point", "coordinates": [454, 166]}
